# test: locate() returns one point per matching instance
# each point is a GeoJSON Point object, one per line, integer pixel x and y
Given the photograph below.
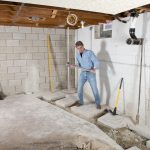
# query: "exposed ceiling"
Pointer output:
{"type": "Point", "coordinates": [25, 14]}
{"type": "Point", "coordinates": [101, 6]}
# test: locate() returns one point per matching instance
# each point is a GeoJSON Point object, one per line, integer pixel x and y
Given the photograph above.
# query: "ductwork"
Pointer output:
{"type": "Point", "coordinates": [133, 40]}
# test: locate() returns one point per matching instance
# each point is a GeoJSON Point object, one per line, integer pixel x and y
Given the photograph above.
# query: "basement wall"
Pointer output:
{"type": "Point", "coordinates": [117, 60]}
{"type": "Point", "coordinates": [24, 58]}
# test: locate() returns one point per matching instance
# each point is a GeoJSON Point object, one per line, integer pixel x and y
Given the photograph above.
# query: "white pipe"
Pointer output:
{"type": "Point", "coordinates": [68, 54]}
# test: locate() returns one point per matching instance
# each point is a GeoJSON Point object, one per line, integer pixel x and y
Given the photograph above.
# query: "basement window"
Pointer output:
{"type": "Point", "coordinates": [103, 31]}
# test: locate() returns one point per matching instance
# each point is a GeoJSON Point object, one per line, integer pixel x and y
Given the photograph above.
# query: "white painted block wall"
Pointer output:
{"type": "Point", "coordinates": [117, 59]}
{"type": "Point", "coordinates": [24, 58]}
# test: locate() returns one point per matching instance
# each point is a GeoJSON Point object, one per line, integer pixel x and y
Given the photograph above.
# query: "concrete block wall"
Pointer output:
{"type": "Point", "coordinates": [24, 58]}
{"type": "Point", "coordinates": [117, 59]}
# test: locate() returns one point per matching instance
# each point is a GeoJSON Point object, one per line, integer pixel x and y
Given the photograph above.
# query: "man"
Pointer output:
{"type": "Point", "coordinates": [86, 59]}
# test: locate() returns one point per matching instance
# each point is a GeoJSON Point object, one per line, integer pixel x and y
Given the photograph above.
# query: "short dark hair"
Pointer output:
{"type": "Point", "coordinates": [78, 43]}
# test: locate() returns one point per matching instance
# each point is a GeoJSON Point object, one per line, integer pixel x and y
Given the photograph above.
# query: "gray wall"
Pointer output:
{"type": "Point", "coordinates": [24, 58]}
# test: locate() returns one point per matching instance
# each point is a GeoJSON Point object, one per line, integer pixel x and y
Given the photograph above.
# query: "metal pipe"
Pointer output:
{"type": "Point", "coordinates": [68, 54]}
{"type": "Point", "coordinates": [140, 79]}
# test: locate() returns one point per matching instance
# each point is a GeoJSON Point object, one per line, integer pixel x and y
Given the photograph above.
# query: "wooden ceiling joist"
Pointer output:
{"type": "Point", "coordinates": [12, 13]}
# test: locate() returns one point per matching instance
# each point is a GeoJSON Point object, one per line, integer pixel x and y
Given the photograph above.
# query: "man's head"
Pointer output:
{"type": "Point", "coordinates": [79, 46]}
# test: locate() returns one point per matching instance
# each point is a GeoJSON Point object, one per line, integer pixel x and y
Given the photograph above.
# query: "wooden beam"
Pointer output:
{"type": "Point", "coordinates": [54, 13]}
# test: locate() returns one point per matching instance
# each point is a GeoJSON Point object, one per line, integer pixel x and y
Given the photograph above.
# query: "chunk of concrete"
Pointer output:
{"type": "Point", "coordinates": [113, 121]}
{"type": "Point", "coordinates": [148, 144]}
{"type": "Point", "coordinates": [88, 111]}
{"type": "Point", "coordinates": [48, 96]}
{"type": "Point", "coordinates": [66, 102]}
{"type": "Point", "coordinates": [133, 148]}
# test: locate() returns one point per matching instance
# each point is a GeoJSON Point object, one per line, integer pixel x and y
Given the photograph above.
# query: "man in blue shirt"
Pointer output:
{"type": "Point", "coordinates": [86, 59]}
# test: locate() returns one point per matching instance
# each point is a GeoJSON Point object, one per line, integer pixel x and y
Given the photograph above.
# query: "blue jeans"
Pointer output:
{"type": "Point", "coordinates": [91, 78]}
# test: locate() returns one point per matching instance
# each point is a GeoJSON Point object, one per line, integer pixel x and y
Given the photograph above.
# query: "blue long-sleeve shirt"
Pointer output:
{"type": "Point", "coordinates": [88, 60]}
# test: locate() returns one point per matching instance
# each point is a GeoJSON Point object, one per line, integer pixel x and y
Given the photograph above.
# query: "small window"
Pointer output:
{"type": "Point", "coordinates": [103, 31]}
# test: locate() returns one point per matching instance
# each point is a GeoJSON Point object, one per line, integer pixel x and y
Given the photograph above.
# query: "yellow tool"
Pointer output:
{"type": "Point", "coordinates": [50, 63]}
{"type": "Point", "coordinates": [116, 101]}
{"type": "Point", "coordinates": [117, 98]}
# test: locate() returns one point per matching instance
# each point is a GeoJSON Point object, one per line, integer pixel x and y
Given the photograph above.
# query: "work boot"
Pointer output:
{"type": "Point", "coordinates": [78, 104]}
{"type": "Point", "coordinates": [98, 106]}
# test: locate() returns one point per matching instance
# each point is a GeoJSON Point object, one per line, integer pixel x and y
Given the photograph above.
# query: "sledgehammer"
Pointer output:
{"type": "Point", "coordinates": [117, 100]}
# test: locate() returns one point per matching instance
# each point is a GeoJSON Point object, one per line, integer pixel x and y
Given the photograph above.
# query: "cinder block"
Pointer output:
{"type": "Point", "coordinates": [25, 69]}
{"type": "Point", "coordinates": [25, 56]}
{"type": "Point", "coordinates": [32, 49]}
{"type": "Point", "coordinates": [60, 55]}
{"type": "Point", "coordinates": [59, 49]}
{"type": "Point", "coordinates": [21, 75]}
{"type": "Point", "coordinates": [44, 74]}
{"type": "Point", "coordinates": [31, 36]}
{"type": "Point", "coordinates": [2, 28]}
{"type": "Point", "coordinates": [13, 56]}
{"type": "Point", "coordinates": [6, 63]}
{"type": "Point", "coordinates": [7, 76]}
{"type": "Point", "coordinates": [60, 43]}
{"type": "Point", "coordinates": [32, 62]}
{"type": "Point", "coordinates": [19, 89]}
{"type": "Point", "coordinates": [19, 62]}
{"type": "Point", "coordinates": [49, 31]}
{"type": "Point", "coordinates": [43, 49]}
{"type": "Point", "coordinates": [18, 36]}
{"type": "Point", "coordinates": [6, 36]}
{"type": "Point", "coordinates": [26, 43]}
{"type": "Point", "coordinates": [14, 82]}
{"type": "Point", "coordinates": [3, 69]}
{"type": "Point", "coordinates": [9, 90]}
{"type": "Point", "coordinates": [43, 63]}
{"type": "Point", "coordinates": [38, 56]}
{"type": "Point", "coordinates": [4, 83]}
{"type": "Point", "coordinates": [2, 56]}
{"type": "Point", "coordinates": [42, 36]}
{"type": "Point", "coordinates": [72, 32]}
{"type": "Point", "coordinates": [42, 80]}
{"type": "Point", "coordinates": [39, 43]}
{"type": "Point", "coordinates": [37, 30]}
{"type": "Point", "coordinates": [44, 86]}
{"type": "Point", "coordinates": [13, 69]}
{"type": "Point", "coordinates": [60, 31]}
{"type": "Point", "coordinates": [25, 29]}
{"type": "Point", "coordinates": [2, 43]}
{"type": "Point", "coordinates": [55, 37]}
{"type": "Point", "coordinates": [19, 49]}
{"type": "Point", "coordinates": [11, 28]}
{"type": "Point", "coordinates": [6, 50]}
{"type": "Point", "coordinates": [12, 42]}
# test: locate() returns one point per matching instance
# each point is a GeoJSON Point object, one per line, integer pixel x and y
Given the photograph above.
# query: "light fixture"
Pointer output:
{"type": "Point", "coordinates": [82, 24]}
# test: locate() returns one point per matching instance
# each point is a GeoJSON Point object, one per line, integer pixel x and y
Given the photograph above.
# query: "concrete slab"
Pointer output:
{"type": "Point", "coordinates": [48, 96]}
{"type": "Point", "coordinates": [114, 122]}
{"type": "Point", "coordinates": [27, 123]}
{"type": "Point", "coordinates": [148, 144]}
{"type": "Point", "coordinates": [88, 111]}
{"type": "Point", "coordinates": [66, 102]}
{"type": "Point", "coordinates": [133, 148]}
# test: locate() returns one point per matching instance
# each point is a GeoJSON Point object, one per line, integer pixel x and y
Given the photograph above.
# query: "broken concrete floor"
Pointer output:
{"type": "Point", "coordinates": [27, 123]}
{"type": "Point", "coordinates": [125, 137]}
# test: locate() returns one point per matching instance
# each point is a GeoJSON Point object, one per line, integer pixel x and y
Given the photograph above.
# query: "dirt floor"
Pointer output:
{"type": "Point", "coordinates": [125, 137]}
